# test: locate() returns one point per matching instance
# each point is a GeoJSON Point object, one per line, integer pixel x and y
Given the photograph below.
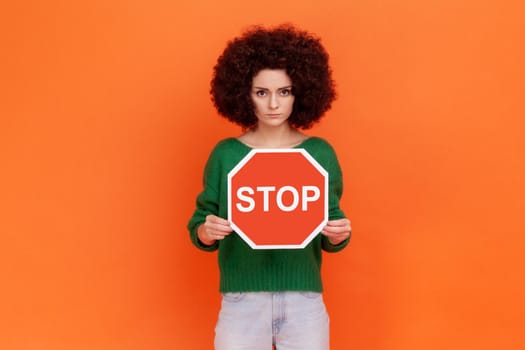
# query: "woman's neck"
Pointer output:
{"type": "Point", "coordinates": [284, 137]}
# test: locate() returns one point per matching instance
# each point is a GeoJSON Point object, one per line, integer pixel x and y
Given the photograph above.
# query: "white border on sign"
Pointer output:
{"type": "Point", "coordinates": [314, 162]}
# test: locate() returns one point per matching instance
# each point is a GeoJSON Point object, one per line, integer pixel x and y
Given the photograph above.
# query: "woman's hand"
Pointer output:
{"type": "Point", "coordinates": [337, 230]}
{"type": "Point", "coordinates": [213, 229]}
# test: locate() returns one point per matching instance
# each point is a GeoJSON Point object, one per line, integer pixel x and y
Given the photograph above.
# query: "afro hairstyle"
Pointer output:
{"type": "Point", "coordinates": [298, 52]}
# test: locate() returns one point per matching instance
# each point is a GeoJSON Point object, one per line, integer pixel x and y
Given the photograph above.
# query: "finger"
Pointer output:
{"type": "Point", "coordinates": [343, 225]}
{"type": "Point", "coordinates": [216, 223]}
{"type": "Point", "coordinates": [339, 222]}
{"type": "Point", "coordinates": [217, 236]}
{"type": "Point", "coordinates": [337, 229]}
{"type": "Point", "coordinates": [221, 231]}
{"type": "Point", "coordinates": [217, 220]}
{"type": "Point", "coordinates": [219, 228]}
{"type": "Point", "coordinates": [338, 235]}
{"type": "Point", "coordinates": [217, 231]}
{"type": "Point", "coordinates": [334, 233]}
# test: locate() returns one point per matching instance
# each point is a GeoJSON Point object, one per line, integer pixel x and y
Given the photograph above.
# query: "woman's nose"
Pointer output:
{"type": "Point", "coordinates": [274, 101]}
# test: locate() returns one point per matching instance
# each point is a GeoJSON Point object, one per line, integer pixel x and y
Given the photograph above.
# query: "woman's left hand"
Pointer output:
{"type": "Point", "coordinates": [337, 230]}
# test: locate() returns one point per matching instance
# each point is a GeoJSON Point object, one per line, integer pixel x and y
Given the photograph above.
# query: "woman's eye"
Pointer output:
{"type": "Point", "coordinates": [260, 93]}
{"type": "Point", "coordinates": [286, 92]}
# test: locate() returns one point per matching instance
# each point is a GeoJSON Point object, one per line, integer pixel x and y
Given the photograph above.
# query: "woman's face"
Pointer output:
{"type": "Point", "coordinates": [272, 96]}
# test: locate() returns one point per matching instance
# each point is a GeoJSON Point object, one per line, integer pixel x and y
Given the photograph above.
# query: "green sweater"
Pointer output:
{"type": "Point", "coordinates": [243, 269]}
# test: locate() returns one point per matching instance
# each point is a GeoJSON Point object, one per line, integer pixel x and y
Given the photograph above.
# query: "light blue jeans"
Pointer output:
{"type": "Point", "coordinates": [288, 320]}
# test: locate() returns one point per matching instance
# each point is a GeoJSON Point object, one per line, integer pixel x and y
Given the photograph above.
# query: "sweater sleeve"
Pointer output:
{"type": "Point", "coordinates": [335, 187]}
{"type": "Point", "coordinates": [207, 202]}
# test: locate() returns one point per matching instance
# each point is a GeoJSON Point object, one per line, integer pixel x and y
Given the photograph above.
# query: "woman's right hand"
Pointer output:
{"type": "Point", "coordinates": [213, 229]}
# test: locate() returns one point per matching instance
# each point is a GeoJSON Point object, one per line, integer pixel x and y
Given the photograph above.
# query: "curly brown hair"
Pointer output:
{"type": "Point", "coordinates": [298, 52]}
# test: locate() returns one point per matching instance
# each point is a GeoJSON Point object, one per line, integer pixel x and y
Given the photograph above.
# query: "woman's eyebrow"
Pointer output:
{"type": "Point", "coordinates": [263, 88]}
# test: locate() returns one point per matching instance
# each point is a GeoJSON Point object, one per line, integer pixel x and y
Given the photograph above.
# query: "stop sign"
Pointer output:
{"type": "Point", "coordinates": [278, 198]}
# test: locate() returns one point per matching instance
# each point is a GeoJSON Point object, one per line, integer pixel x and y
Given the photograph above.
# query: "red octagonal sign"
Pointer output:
{"type": "Point", "coordinates": [278, 198]}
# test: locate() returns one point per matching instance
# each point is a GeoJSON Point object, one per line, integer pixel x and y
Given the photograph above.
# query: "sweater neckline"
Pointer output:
{"type": "Point", "coordinates": [299, 145]}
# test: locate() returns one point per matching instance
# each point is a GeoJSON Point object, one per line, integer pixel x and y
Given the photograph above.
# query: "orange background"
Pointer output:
{"type": "Point", "coordinates": [106, 122]}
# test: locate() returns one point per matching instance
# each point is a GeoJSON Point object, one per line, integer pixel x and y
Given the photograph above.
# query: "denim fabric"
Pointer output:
{"type": "Point", "coordinates": [288, 320]}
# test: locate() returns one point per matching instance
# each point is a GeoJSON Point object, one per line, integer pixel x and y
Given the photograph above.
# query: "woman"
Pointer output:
{"type": "Point", "coordinates": [273, 83]}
